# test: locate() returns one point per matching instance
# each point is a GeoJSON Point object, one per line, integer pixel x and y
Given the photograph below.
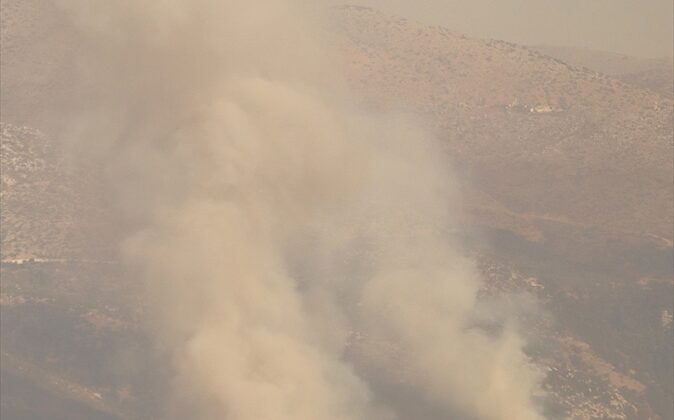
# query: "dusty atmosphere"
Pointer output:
{"type": "Point", "coordinates": [289, 210]}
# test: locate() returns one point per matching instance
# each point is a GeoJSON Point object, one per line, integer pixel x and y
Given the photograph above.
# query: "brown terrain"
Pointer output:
{"type": "Point", "coordinates": [656, 74]}
{"type": "Point", "coordinates": [567, 179]}
{"type": "Point", "coordinates": [569, 172]}
{"type": "Point", "coordinates": [545, 143]}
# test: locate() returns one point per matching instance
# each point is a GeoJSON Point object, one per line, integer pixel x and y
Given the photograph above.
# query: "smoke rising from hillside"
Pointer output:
{"type": "Point", "coordinates": [276, 217]}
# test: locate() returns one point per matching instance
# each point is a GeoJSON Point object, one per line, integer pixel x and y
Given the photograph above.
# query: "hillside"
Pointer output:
{"type": "Point", "coordinates": [567, 178]}
{"type": "Point", "coordinates": [51, 209]}
{"type": "Point", "coordinates": [35, 45]}
{"type": "Point", "coordinates": [542, 144]}
{"type": "Point", "coordinates": [65, 315]}
{"type": "Point", "coordinates": [656, 74]}
{"type": "Point", "coordinates": [567, 170]}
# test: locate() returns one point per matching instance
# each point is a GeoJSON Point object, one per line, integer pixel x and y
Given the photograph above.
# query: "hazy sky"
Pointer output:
{"type": "Point", "coordinates": [636, 27]}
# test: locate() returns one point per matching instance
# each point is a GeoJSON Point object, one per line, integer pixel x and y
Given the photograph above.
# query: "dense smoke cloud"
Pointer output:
{"type": "Point", "coordinates": [273, 217]}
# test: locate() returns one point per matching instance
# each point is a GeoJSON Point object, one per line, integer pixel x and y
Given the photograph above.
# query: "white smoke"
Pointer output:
{"type": "Point", "coordinates": [276, 216]}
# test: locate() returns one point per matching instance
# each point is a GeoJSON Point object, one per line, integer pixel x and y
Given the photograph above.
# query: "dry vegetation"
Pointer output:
{"type": "Point", "coordinates": [596, 153]}
{"type": "Point", "coordinates": [50, 210]}
{"type": "Point", "coordinates": [656, 74]}
{"type": "Point", "coordinates": [587, 175]}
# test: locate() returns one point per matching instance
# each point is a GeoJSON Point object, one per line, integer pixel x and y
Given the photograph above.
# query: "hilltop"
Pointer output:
{"type": "Point", "coordinates": [542, 144]}
{"type": "Point", "coordinates": [567, 170]}
{"type": "Point", "coordinates": [656, 74]}
{"type": "Point", "coordinates": [566, 175]}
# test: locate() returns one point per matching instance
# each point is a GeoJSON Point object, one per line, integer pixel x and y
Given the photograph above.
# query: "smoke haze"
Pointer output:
{"type": "Point", "coordinates": [641, 29]}
{"type": "Point", "coordinates": [272, 217]}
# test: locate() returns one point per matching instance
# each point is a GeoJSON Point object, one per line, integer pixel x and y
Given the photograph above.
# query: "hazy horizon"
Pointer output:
{"type": "Point", "coordinates": [300, 210]}
{"type": "Point", "coordinates": [639, 29]}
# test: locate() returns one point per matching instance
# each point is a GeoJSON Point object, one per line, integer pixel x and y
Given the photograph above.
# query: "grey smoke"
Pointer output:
{"type": "Point", "coordinates": [275, 217]}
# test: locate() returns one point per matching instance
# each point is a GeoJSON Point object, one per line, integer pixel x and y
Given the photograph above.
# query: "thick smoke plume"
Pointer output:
{"type": "Point", "coordinates": [274, 217]}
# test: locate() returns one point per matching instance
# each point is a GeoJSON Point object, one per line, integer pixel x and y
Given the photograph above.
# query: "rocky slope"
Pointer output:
{"type": "Point", "coordinates": [569, 173]}
{"type": "Point", "coordinates": [566, 172]}
{"type": "Point", "coordinates": [540, 141]}
{"type": "Point", "coordinates": [656, 74]}
{"type": "Point", "coordinates": [51, 209]}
